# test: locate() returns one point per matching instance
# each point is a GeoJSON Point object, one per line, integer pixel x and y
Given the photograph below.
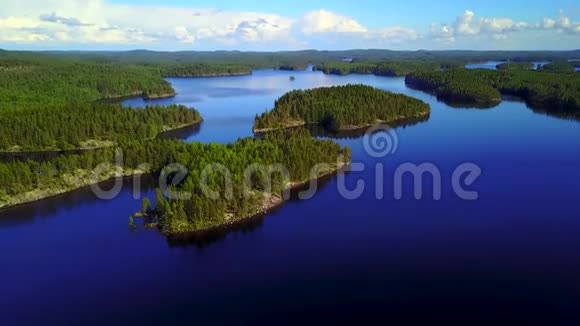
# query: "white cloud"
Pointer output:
{"type": "Point", "coordinates": [104, 23]}
{"type": "Point", "coordinates": [334, 27]}
{"type": "Point", "coordinates": [562, 24]}
{"type": "Point", "coordinates": [323, 21]}
{"type": "Point", "coordinates": [464, 24]}
{"type": "Point", "coordinates": [395, 34]}
{"type": "Point", "coordinates": [443, 33]}
{"type": "Point", "coordinates": [548, 23]}
{"type": "Point", "coordinates": [496, 28]}
{"type": "Point", "coordinates": [183, 35]}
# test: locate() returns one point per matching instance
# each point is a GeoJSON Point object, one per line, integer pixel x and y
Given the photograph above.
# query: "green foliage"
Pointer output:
{"type": "Point", "coordinates": [33, 84]}
{"type": "Point", "coordinates": [555, 92]}
{"type": "Point", "coordinates": [145, 205]}
{"type": "Point", "coordinates": [203, 70]}
{"type": "Point", "coordinates": [382, 68]}
{"type": "Point", "coordinates": [559, 66]}
{"type": "Point", "coordinates": [293, 66]}
{"type": "Point", "coordinates": [297, 152]}
{"type": "Point", "coordinates": [515, 66]}
{"type": "Point", "coordinates": [340, 107]}
{"type": "Point", "coordinates": [68, 126]}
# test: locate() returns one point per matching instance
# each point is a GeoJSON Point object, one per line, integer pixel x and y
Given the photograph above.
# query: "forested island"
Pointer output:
{"type": "Point", "coordinates": [557, 93]}
{"type": "Point", "coordinates": [339, 108]}
{"type": "Point", "coordinates": [560, 66]}
{"type": "Point", "coordinates": [515, 66]}
{"type": "Point", "coordinates": [297, 152]}
{"type": "Point", "coordinates": [293, 66]}
{"type": "Point", "coordinates": [204, 70]}
{"type": "Point", "coordinates": [385, 68]}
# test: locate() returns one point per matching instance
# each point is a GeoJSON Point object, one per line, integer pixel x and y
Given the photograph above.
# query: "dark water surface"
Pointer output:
{"type": "Point", "coordinates": [511, 256]}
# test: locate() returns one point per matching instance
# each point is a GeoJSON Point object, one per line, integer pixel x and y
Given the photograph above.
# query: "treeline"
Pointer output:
{"type": "Point", "coordinates": [203, 70]}
{"type": "Point", "coordinates": [297, 152]}
{"type": "Point", "coordinates": [72, 125]}
{"type": "Point", "coordinates": [515, 66]}
{"type": "Point", "coordinates": [39, 83]}
{"type": "Point", "coordinates": [559, 66]}
{"type": "Point", "coordinates": [340, 107]}
{"type": "Point", "coordinates": [554, 92]}
{"type": "Point", "coordinates": [383, 68]}
{"type": "Point", "coordinates": [293, 66]}
{"type": "Point", "coordinates": [459, 85]}
{"type": "Point", "coordinates": [276, 59]}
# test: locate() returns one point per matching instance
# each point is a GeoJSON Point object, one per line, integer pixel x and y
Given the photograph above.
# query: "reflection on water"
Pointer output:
{"type": "Point", "coordinates": [245, 226]}
{"type": "Point", "coordinates": [321, 132]}
{"type": "Point", "coordinates": [201, 240]}
{"type": "Point", "coordinates": [239, 91]}
{"type": "Point", "coordinates": [181, 133]}
{"type": "Point", "coordinates": [491, 65]}
{"type": "Point", "coordinates": [83, 197]}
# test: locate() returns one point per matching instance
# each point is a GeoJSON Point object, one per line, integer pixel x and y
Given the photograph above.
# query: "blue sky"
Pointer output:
{"type": "Point", "coordinates": [289, 25]}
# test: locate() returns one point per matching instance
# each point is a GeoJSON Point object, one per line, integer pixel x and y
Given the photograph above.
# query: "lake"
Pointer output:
{"type": "Point", "coordinates": [492, 64]}
{"type": "Point", "coordinates": [509, 257]}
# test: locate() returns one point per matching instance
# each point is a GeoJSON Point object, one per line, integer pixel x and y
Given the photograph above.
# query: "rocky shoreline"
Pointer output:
{"type": "Point", "coordinates": [271, 203]}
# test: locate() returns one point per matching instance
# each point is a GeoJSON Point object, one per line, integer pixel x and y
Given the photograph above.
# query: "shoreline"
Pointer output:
{"type": "Point", "coordinates": [32, 196]}
{"type": "Point", "coordinates": [36, 195]}
{"type": "Point", "coordinates": [214, 75]}
{"type": "Point", "coordinates": [343, 128]}
{"type": "Point", "coordinates": [271, 203]}
{"type": "Point", "coordinates": [84, 149]}
{"type": "Point", "coordinates": [140, 94]}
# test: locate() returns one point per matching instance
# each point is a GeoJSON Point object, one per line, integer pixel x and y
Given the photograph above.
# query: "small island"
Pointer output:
{"type": "Point", "coordinates": [515, 66]}
{"type": "Point", "coordinates": [339, 108]}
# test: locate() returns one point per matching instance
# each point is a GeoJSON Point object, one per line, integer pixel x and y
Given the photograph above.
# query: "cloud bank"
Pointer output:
{"type": "Point", "coordinates": [99, 23]}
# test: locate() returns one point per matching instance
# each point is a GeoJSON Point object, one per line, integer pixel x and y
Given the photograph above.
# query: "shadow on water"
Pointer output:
{"type": "Point", "coordinates": [28, 213]}
{"type": "Point", "coordinates": [322, 132]}
{"type": "Point", "coordinates": [223, 92]}
{"type": "Point", "coordinates": [204, 239]}
{"type": "Point", "coordinates": [319, 131]}
{"type": "Point", "coordinates": [181, 133]}
{"type": "Point", "coordinates": [467, 105]}
{"type": "Point", "coordinates": [454, 103]}
{"type": "Point", "coordinates": [554, 112]}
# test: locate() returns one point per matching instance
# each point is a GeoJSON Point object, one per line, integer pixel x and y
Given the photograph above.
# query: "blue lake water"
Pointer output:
{"type": "Point", "coordinates": [509, 257]}
{"type": "Point", "coordinates": [492, 64]}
